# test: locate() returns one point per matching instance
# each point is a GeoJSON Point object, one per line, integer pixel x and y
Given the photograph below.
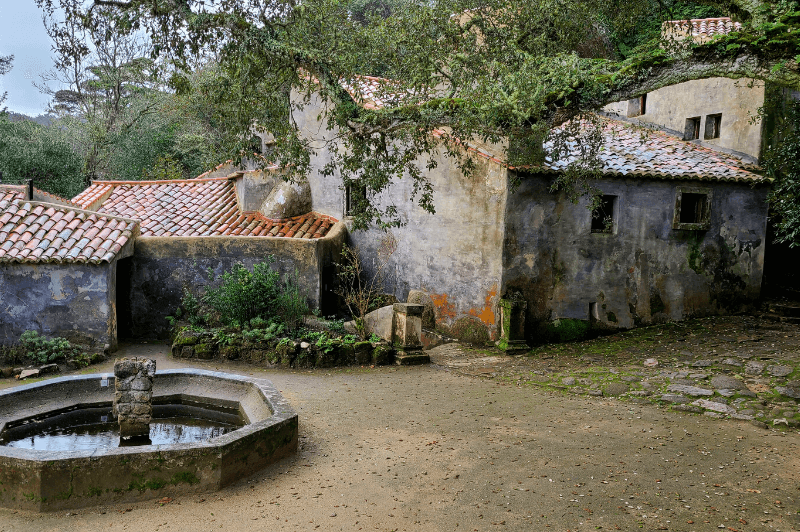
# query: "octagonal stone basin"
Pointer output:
{"type": "Point", "coordinates": [54, 480]}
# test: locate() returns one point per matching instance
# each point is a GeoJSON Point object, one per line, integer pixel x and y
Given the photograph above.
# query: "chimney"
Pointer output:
{"type": "Point", "coordinates": [30, 189]}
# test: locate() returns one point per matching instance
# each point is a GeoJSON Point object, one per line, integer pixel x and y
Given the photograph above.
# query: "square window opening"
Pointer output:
{"type": "Point", "coordinates": [355, 196]}
{"type": "Point", "coordinates": [637, 106]}
{"type": "Point", "coordinates": [692, 129]}
{"type": "Point", "coordinates": [692, 209]}
{"type": "Point", "coordinates": [713, 125]}
{"type": "Point", "coordinates": [603, 218]}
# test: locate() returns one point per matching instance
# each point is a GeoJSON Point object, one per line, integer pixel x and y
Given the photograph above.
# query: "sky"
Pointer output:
{"type": "Point", "coordinates": [22, 34]}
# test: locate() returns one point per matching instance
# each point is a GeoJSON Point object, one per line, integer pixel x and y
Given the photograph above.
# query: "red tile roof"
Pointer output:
{"type": "Point", "coordinates": [34, 232]}
{"type": "Point", "coordinates": [706, 26]}
{"type": "Point", "coordinates": [194, 207]}
{"type": "Point", "coordinates": [633, 152]}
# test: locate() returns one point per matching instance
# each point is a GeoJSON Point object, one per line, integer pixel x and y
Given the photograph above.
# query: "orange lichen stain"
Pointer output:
{"type": "Point", "coordinates": [444, 309]}
{"type": "Point", "coordinates": [486, 314]}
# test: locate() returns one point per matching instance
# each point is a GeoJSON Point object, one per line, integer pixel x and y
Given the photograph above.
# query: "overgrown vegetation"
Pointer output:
{"type": "Point", "coordinates": [782, 162]}
{"type": "Point", "coordinates": [42, 350]}
{"type": "Point", "coordinates": [362, 290]}
{"type": "Point", "coordinates": [247, 300]}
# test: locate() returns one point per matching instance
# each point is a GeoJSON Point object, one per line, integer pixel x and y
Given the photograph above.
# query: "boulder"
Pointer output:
{"type": "Point", "coordinates": [418, 297]}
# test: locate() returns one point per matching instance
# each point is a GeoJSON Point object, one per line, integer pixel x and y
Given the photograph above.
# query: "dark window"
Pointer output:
{"type": "Point", "coordinates": [713, 123]}
{"type": "Point", "coordinates": [603, 215]}
{"type": "Point", "coordinates": [355, 195]}
{"type": "Point", "coordinates": [692, 130]}
{"type": "Point", "coordinates": [637, 106]}
{"type": "Point", "coordinates": [692, 209]}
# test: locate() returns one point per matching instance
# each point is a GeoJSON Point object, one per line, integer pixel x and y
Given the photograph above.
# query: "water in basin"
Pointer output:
{"type": "Point", "coordinates": [94, 428]}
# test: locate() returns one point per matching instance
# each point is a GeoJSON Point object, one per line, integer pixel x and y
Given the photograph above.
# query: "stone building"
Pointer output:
{"type": "Point", "coordinates": [59, 267]}
{"type": "Point", "coordinates": [719, 113]}
{"type": "Point", "coordinates": [679, 232]}
{"type": "Point", "coordinates": [116, 259]}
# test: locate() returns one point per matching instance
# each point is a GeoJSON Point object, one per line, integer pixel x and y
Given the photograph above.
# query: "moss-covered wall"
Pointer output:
{"type": "Point", "coordinates": [644, 270]}
{"type": "Point", "coordinates": [73, 301]}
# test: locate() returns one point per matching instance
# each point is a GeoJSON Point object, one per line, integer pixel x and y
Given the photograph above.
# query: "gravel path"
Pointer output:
{"type": "Point", "coordinates": [471, 443]}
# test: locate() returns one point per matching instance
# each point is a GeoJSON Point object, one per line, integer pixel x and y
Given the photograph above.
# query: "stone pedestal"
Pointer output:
{"type": "Point", "coordinates": [407, 334]}
{"type": "Point", "coordinates": [512, 325]}
{"type": "Point", "coordinates": [133, 396]}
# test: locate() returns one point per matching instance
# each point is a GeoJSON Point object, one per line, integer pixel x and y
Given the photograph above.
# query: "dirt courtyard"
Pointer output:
{"type": "Point", "coordinates": [429, 448]}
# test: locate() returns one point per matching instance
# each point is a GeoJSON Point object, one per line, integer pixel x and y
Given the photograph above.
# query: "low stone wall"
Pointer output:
{"type": "Point", "coordinates": [163, 267]}
{"type": "Point", "coordinates": [74, 301]}
{"type": "Point", "coordinates": [286, 353]}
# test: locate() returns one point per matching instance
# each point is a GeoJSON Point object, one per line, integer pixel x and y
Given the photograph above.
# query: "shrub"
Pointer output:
{"type": "Point", "coordinates": [291, 304]}
{"type": "Point", "coordinates": [244, 295]}
{"type": "Point", "coordinates": [41, 350]}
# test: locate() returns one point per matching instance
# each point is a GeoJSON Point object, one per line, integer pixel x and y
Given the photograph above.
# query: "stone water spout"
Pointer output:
{"type": "Point", "coordinates": [133, 396]}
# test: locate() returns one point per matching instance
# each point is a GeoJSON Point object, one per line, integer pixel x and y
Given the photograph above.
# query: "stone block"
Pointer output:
{"type": "Point", "coordinates": [7, 372]}
{"type": "Point", "coordinates": [229, 352]}
{"type": "Point", "coordinates": [411, 357]}
{"type": "Point", "coordinates": [123, 409]}
{"type": "Point", "coordinates": [142, 409]}
{"type": "Point", "coordinates": [407, 325]}
{"type": "Point", "coordinates": [204, 351]}
{"type": "Point", "coordinates": [141, 385]}
{"type": "Point", "coordinates": [383, 354]}
{"type": "Point", "coordinates": [187, 351]}
{"type": "Point", "coordinates": [125, 370]}
{"type": "Point", "coordinates": [123, 397]}
{"type": "Point", "coordinates": [28, 374]}
{"type": "Point", "coordinates": [142, 397]}
{"type": "Point", "coordinates": [347, 355]}
{"type": "Point", "coordinates": [363, 353]}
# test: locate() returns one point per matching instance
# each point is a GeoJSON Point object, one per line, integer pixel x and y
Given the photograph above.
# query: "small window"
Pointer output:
{"type": "Point", "coordinates": [637, 106]}
{"type": "Point", "coordinates": [603, 218]}
{"type": "Point", "coordinates": [713, 123]}
{"type": "Point", "coordinates": [692, 209]}
{"type": "Point", "coordinates": [355, 194]}
{"type": "Point", "coordinates": [692, 130]}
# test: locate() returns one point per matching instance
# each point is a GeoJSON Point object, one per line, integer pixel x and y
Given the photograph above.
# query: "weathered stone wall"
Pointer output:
{"type": "Point", "coordinates": [644, 270]}
{"type": "Point", "coordinates": [737, 100]}
{"type": "Point", "coordinates": [163, 266]}
{"type": "Point", "coordinates": [455, 255]}
{"type": "Point", "coordinates": [74, 301]}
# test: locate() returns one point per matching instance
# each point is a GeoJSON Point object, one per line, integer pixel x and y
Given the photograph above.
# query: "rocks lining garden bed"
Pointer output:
{"type": "Point", "coordinates": [310, 349]}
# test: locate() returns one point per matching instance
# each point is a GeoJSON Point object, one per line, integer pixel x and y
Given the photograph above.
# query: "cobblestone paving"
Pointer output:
{"type": "Point", "coordinates": [737, 367]}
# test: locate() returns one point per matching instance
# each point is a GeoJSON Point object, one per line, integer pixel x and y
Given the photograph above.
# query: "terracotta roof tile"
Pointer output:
{"type": "Point", "coordinates": [32, 235]}
{"type": "Point", "coordinates": [705, 26]}
{"type": "Point", "coordinates": [629, 151]}
{"type": "Point", "coordinates": [189, 207]}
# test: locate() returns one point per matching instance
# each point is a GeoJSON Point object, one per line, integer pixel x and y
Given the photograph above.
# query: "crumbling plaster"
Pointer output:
{"type": "Point", "coordinates": [454, 255]}
{"type": "Point", "coordinates": [73, 301]}
{"type": "Point", "coordinates": [644, 270]}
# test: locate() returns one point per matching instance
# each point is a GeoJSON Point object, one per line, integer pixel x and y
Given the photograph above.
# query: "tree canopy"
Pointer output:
{"type": "Point", "coordinates": [496, 69]}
